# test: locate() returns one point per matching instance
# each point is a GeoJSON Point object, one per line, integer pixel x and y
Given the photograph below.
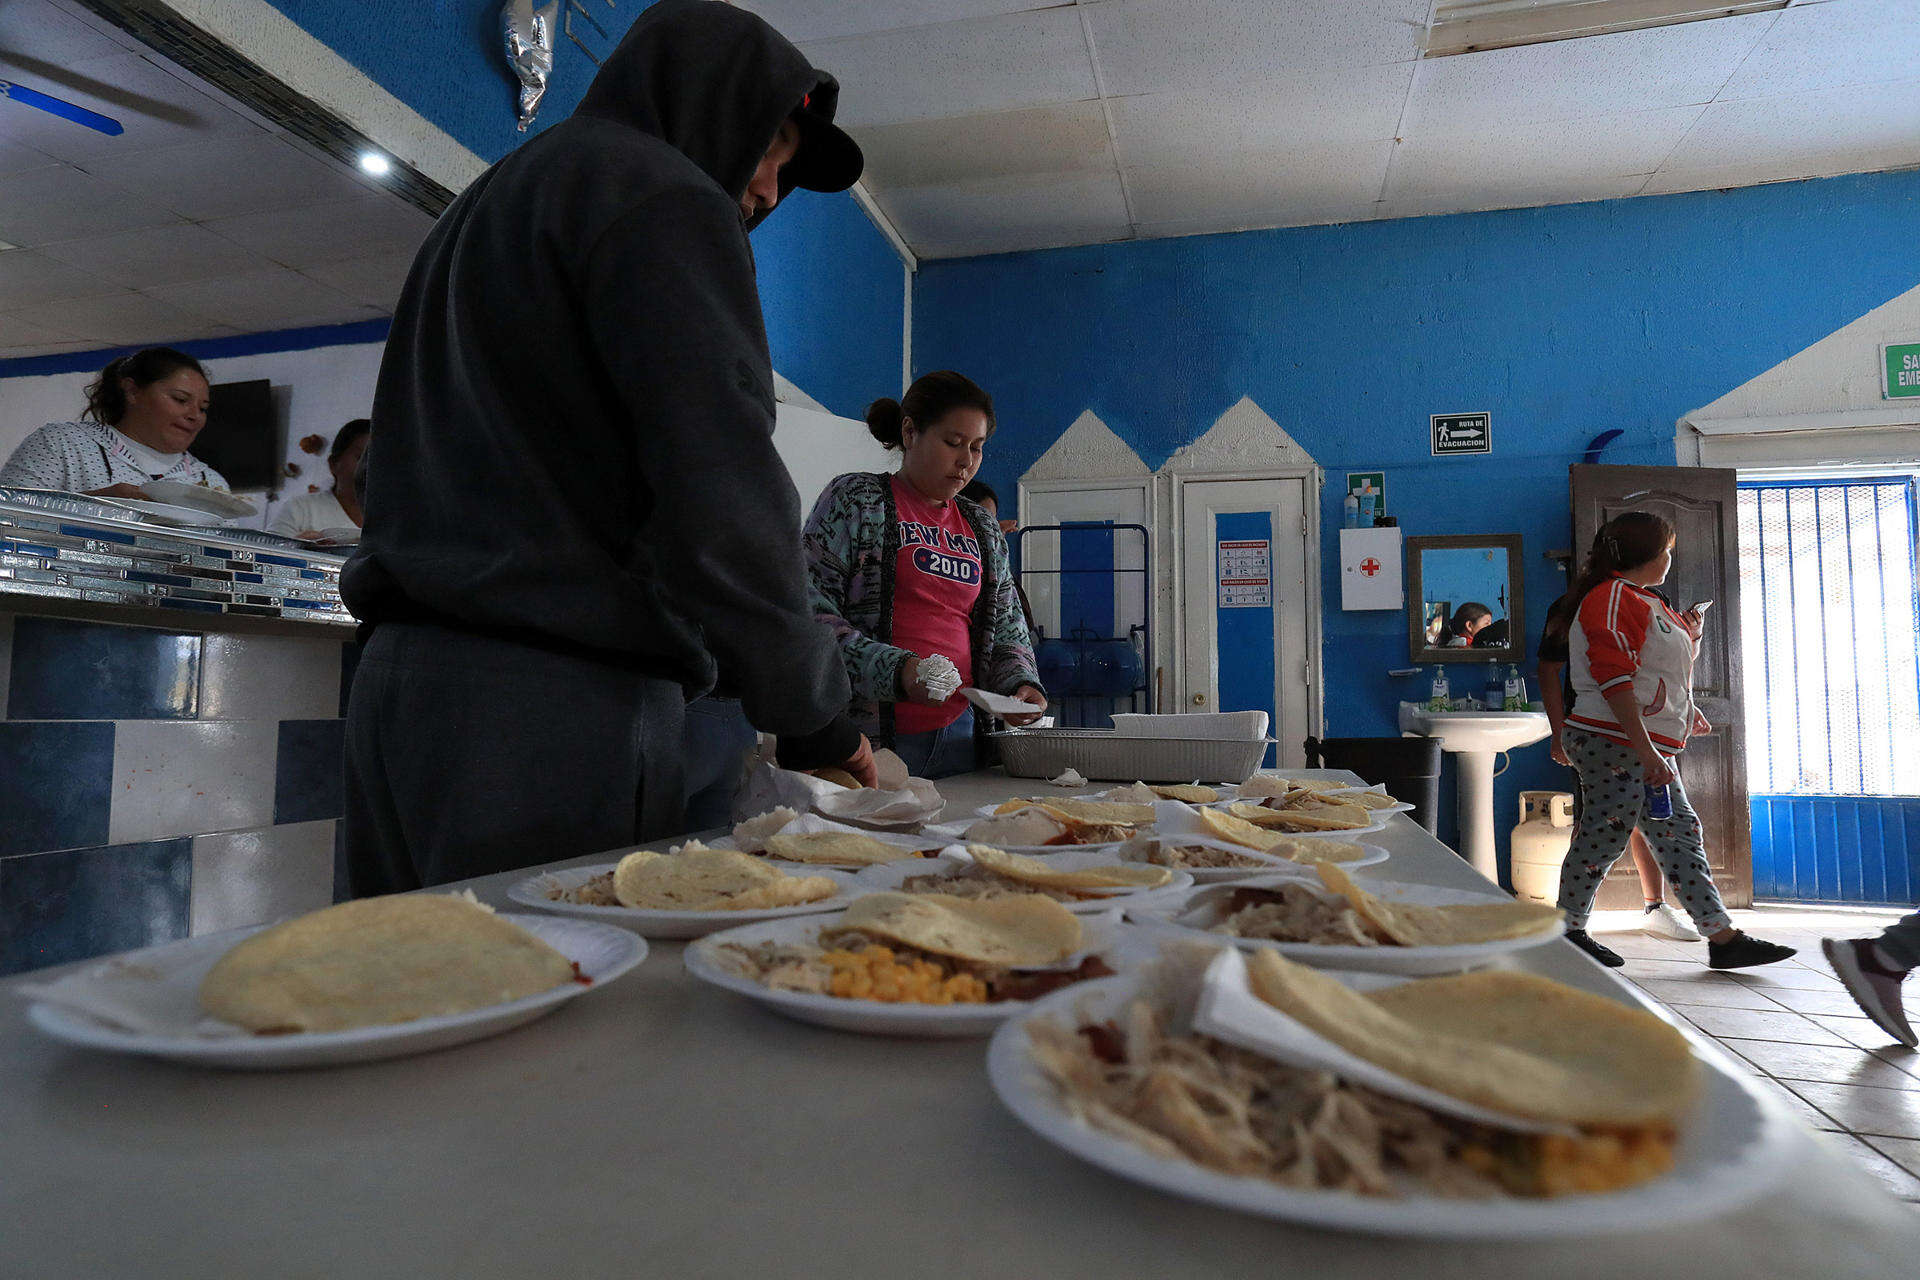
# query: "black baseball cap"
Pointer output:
{"type": "Point", "coordinates": [827, 159]}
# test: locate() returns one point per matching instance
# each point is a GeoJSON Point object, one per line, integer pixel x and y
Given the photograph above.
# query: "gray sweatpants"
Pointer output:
{"type": "Point", "coordinates": [1901, 941]}
{"type": "Point", "coordinates": [468, 755]}
{"type": "Point", "coordinates": [1613, 802]}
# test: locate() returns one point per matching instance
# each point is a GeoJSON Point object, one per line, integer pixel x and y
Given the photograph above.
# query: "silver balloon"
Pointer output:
{"type": "Point", "coordinates": [528, 33]}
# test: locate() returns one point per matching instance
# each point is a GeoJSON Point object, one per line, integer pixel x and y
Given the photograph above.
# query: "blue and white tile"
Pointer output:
{"type": "Point", "coordinates": [78, 903]}
{"type": "Point", "coordinates": [309, 773]}
{"type": "Point", "coordinates": [244, 677]}
{"type": "Point", "coordinates": [183, 779]}
{"type": "Point", "coordinates": [255, 877]}
{"type": "Point", "coordinates": [63, 670]}
{"type": "Point", "coordinates": [56, 784]}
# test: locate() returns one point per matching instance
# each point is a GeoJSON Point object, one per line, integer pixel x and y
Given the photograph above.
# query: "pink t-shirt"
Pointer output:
{"type": "Point", "coordinates": [935, 583]}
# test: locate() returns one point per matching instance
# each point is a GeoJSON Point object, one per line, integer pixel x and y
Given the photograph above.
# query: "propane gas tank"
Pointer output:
{"type": "Point", "coordinates": [1540, 844]}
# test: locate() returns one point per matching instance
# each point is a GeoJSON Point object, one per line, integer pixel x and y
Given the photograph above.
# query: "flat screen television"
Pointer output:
{"type": "Point", "coordinates": [241, 439]}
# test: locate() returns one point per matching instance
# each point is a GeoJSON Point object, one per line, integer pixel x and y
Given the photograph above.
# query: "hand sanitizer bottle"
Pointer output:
{"type": "Point", "coordinates": [1516, 699]}
{"type": "Point", "coordinates": [1442, 696]}
{"type": "Point", "coordinates": [1351, 510]}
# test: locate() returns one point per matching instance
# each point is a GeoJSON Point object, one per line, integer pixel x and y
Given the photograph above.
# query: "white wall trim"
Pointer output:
{"type": "Point", "coordinates": [308, 66]}
{"type": "Point", "coordinates": [1087, 448]}
{"type": "Point", "coordinates": [878, 216]}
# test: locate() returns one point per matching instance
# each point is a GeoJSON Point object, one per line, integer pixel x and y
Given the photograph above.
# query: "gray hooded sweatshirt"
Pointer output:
{"type": "Point", "coordinates": [573, 427]}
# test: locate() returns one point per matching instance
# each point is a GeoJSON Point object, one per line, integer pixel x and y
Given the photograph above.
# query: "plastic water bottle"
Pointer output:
{"type": "Point", "coordinates": [1660, 803]}
{"type": "Point", "coordinates": [1442, 697]}
{"type": "Point", "coordinates": [1352, 510]}
{"type": "Point", "coordinates": [1516, 699]}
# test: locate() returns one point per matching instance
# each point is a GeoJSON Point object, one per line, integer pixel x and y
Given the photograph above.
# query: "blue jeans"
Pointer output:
{"type": "Point", "coordinates": [716, 736]}
{"type": "Point", "coordinates": [939, 753]}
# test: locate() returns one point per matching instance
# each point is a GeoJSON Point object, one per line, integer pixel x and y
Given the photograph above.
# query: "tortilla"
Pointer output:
{"type": "Point", "coordinates": [1029, 828]}
{"type": "Point", "coordinates": [1369, 800]}
{"type": "Point", "coordinates": [1189, 793]}
{"type": "Point", "coordinates": [1025, 930]}
{"type": "Point", "coordinates": [1513, 1042]}
{"type": "Point", "coordinates": [1038, 871]}
{"type": "Point", "coordinates": [839, 777]}
{"type": "Point", "coordinates": [1262, 785]}
{"type": "Point", "coordinates": [378, 961]}
{"type": "Point", "coordinates": [1313, 816]}
{"type": "Point", "coordinates": [1412, 925]}
{"type": "Point", "coordinates": [696, 878]}
{"type": "Point", "coordinates": [751, 835]}
{"type": "Point", "coordinates": [1315, 851]}
{"type": "Point", "coordinates": [1238, 830]}
{"type": "Point", "coordinates": [1103, 812]}
{"type": "Point", "coordinates": [848, 848]}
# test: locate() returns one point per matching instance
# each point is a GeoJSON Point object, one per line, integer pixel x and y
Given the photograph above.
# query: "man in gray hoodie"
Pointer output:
{"type": "Point", "coordinates": [575, 512]}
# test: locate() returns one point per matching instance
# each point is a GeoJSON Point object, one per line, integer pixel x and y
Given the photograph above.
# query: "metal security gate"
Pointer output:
{"type": "Point", "coordinates": [1832, 653]}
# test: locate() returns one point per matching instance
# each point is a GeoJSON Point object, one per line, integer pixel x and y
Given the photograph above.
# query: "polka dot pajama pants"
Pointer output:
{"type": "Point", "coordinates": [1613, 803]}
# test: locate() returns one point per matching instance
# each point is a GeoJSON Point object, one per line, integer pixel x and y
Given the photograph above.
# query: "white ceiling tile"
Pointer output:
{"type": "Point", "coordinates": [45, 206]}
{"type": "Point", "coordinates": [1076, 209]}
{"type": "Point", "coordinates": [830, 19]}
{"type": "Point", "coordinates": [376, 282]}
{"type": "Point", "coordinates": [1058, 139]}
{"type": "Point", "coordinates": [1826, 46]}
{"type": "Point", "coordinates": [1159, 46]}
{"type": "Point", "coordinates": [308, 236]}
{"type": "Point", "coordinates": [266, 300]}
{"type": "Point", "coordinates": [29, 276]}
{"type": "Point", "coordinates": [1805, 125]}
{"type": "Point", "coordinates": [1311, 111]}
{"type": "Point", "coordinates": [228, 175]}
{"type": "Point", "coordinates": [158, 256]}
{"type": "Point", "coordinates": [16, 331]}
{"type": "Point", "coordinates": [1364, 211]}
{"type": "Point", "coordinates": [959, 68]}
{"type": "Point", "coordinates": [1576, 189]}
{"type": "Point", "coordinates": [35, 34]}
{"type": "Point", "coordinates": [1279, 190]}
{"type": "Point", "coordinates": [120, 319]}
{"type": "Point", "coordinates": [44, 348]}
{"type": "Point", "coordinates": [1536, 157]}
{"type": "Point", "coordinates": [1781, 169]}
{"type": "Point", "coordinates": [155, 107]}
{"type": "Point", "coordinates": [15, 158]}
{"type": "Point", "coordinates": [1598, 75]}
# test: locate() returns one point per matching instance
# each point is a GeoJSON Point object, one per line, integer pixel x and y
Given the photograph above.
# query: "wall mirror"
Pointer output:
{"type": "Point", "coordinates": [1465, 601]}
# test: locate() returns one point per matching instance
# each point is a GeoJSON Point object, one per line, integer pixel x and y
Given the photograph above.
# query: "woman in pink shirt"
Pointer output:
{"type": "Point", "coordinates": [912, 577]}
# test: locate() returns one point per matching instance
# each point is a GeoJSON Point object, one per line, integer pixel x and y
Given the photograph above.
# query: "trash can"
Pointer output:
{"type": "Point", "coordinates": [1409, 768]}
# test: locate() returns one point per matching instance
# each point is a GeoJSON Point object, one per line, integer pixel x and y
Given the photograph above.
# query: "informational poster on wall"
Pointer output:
{"type": "Point", "coordinates": [1462, 433]}
{"type": "Point", "coordinates": [1901, 362]}
{"type": "Point", "coordinates": [1245, 567]}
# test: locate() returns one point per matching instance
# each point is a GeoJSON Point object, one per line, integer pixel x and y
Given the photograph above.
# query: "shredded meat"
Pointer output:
{"type": "Point", "coordinates": [1295, 913]}
{"type": "Point", "coordinates": [1164, 854]}
{"type": "Point", "coordinates": [597, 892]}
{"type": "Point", "coordinates": [1192, 1097]}
{"type": "Point", "coordinates": [978, 882]}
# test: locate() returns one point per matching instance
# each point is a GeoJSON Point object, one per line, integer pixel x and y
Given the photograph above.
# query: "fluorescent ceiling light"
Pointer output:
{"type": "Point", "coordinates": [1468, 26]}
{"type": "Point", "coordinates": [375, 163]}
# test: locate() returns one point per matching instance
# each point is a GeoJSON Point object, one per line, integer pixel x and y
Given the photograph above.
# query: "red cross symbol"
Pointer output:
{"type": "Point", "coordinates": [1369, 566]}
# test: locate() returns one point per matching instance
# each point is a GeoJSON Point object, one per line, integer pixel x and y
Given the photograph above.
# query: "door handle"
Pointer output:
{"type": "Point", "coordinates": [1199, 699]}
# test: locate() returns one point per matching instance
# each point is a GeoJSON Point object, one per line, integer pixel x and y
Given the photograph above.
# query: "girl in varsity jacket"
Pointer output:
{"type": "Point", "coordinates": [1631, 658]}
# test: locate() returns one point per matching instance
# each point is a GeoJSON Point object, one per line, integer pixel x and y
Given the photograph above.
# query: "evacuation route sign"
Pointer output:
{"type": "Point", "coordinates": [1462, 433]}
{"type": "Point", "coordinates": [1246, 573]}
{"type": "Point", "coordinates": [1901, 360]}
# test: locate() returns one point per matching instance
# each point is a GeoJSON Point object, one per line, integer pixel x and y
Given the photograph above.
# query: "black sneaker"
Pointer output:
{"type": "Point", "coordinates": [1605, 955]}
{"type": "Point", "coordinates": [1744, 952]}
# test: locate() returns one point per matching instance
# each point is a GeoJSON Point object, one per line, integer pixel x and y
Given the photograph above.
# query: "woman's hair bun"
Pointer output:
{"type": "Point", "coordinates": [884, 420]}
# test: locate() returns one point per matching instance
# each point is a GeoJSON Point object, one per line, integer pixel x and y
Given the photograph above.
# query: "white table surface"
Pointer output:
{"type": "Point", "coordinates": [661, 1128]}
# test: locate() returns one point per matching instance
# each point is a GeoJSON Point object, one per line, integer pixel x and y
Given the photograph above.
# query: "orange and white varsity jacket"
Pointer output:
{"type": "Point", "coordinates": [1628, 634]}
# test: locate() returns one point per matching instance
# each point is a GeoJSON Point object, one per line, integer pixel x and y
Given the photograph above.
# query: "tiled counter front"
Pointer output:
{"type": "Point", "coordinates": [165, 778]}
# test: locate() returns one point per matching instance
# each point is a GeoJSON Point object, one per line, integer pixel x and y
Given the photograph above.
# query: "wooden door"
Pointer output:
{"type": "Point", "coordinates": [1706, 566]}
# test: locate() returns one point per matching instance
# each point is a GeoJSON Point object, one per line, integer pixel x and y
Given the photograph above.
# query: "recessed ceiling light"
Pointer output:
{"type": "Point", "coordinates": [1469, 26]}
{"type": "Point", "coordinates": [375, 163]}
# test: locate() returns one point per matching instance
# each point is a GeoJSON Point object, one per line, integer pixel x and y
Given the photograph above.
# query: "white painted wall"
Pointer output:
{"type": "Point", "coordinates": [314, 392]}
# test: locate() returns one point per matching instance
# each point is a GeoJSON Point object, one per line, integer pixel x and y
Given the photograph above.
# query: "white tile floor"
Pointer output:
{"type": "Point", "coordinates": [1795, 1025]}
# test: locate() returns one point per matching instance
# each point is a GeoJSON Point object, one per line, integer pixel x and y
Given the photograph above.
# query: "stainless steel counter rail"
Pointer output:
{"type": "Point", "coordinates": [70, 547]}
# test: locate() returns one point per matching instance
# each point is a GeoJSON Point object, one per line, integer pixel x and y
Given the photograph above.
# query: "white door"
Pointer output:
{"type": "Point", "coordinates": [1043, 555]}
{"type": "Point", "coordinates": [1247, 609]}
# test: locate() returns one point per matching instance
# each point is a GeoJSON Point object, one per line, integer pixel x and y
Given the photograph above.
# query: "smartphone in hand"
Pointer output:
{"type": "Point", "coordinates": [1701, 608]}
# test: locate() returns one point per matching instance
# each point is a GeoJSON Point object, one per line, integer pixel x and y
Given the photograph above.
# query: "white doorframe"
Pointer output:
{"type": "Point", "coordinates": [1175, 628]}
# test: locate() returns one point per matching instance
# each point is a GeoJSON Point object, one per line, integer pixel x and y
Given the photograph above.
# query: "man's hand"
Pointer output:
{"type": "Point", "coordinates": [860, 764]}
{"type": "Point", "coordinates": [1027, 693]}
{"type": "Point", "coordinates": [117, 491]}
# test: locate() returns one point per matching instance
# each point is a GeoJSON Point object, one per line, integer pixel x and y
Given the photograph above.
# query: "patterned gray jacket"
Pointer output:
{"type": "Point", "coordinates": [852, 542]}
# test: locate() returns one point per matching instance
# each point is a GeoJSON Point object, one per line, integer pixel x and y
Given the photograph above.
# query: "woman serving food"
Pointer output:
{"type": "Point", "coordinates": [914, 581]}
{"type": "Point", "coordinates": [142, 413]}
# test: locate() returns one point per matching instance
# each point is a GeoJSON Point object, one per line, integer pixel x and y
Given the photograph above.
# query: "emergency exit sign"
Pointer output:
{"type": "Point", "coordinates": [1901, 360]}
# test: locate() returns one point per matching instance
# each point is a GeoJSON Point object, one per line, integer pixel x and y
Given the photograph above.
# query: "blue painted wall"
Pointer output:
{"type": "Point", "coordinates": [1562, 322]}
{"type": "Point", "coordinates": [831, 284]}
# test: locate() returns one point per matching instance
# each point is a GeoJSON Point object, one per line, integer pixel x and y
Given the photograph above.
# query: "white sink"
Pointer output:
{"type": "Point", "coordinates": [1474, 738]}
{"type": "Point", "coordinates": [1475, 730]}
